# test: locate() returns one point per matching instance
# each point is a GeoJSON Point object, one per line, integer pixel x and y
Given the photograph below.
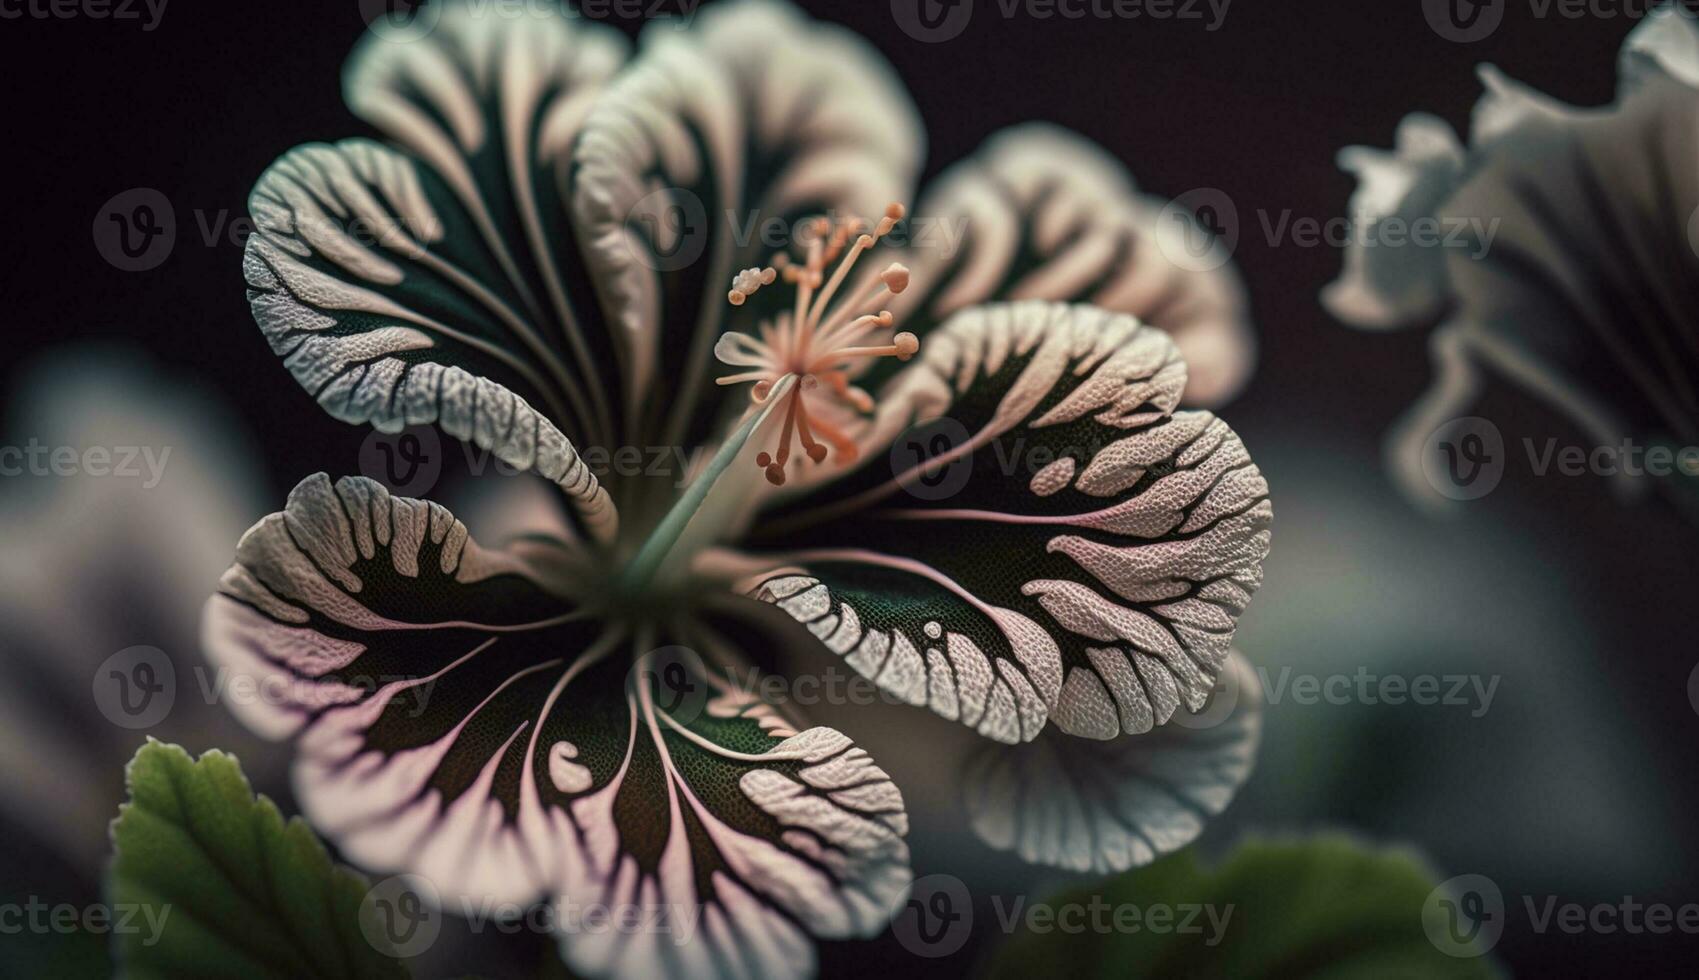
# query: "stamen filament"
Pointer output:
{"type": "Point", "coordinates": [903, 347]}
{"type": "Point", "coordinates": [843, 334]}
{"type": "Point", "coordinates": [737, 379]}
{"type": "Point", "coordinates": [666, 534]}
{"type": "Point", "coordinates": [861, 245]}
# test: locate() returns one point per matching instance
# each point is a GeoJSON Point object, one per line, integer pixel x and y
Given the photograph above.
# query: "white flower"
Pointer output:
{"type": "Point", "coordinates": [1576, 279]}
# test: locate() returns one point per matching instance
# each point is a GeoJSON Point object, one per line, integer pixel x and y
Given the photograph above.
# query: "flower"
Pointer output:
{"type": "Point", "coordinates": [1575, 284]}
{"type": "Point", "coordinates": [558, 718]}
{"type": "Point", "coordinates": [102, 573]}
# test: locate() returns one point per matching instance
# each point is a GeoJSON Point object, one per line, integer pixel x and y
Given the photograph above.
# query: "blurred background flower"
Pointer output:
{"type": "Point", "coordinates": [114, 529]}
{"type": "Point", "coordinates": [1578, 286]}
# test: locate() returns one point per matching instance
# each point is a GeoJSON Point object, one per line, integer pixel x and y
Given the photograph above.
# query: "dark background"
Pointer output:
{"type": "Point", "coordinates": [200, 106]}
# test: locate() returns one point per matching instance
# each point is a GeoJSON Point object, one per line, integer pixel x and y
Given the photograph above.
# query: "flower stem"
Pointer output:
{"type": "Point", "coordinates": [666, 534]}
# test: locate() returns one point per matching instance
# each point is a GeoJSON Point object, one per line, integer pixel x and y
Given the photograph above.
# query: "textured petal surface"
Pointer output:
{"type": "Point", "coordinates": [443, 285]}
{"type": "Point", "coordinates": [458, 720]}
{"type": "Point", "coordinates": [1044, 538]}
{"type": "Point", "coordinates": [1103, 807]}
{"type": "Point", "coordinates": [377, 306]}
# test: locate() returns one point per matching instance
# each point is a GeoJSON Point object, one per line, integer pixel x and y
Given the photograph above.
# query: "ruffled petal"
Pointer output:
{"type": "Point", "coordinates": [1570, 280]}
{"type": "Point", "coordinates": [1394, 287]}
{"type": "Point", "coordinates": [459, 719]}
{"type": "Point", "coordinates": [364, 279]}
{"type": "Point", "coordinates": [1045, 538]}
{"type": "Point", "coordinates": [1040, 212]}
{"type": "Point", "coordinates": [1665, 43]}
{"type": "Point", "coordinates": [1104, 807]}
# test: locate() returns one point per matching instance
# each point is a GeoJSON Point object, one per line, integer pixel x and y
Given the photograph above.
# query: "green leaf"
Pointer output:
{"type": "Point", "coordinates": [233, 889]}
{"type": "Point", "coordinates": [1322, 907]}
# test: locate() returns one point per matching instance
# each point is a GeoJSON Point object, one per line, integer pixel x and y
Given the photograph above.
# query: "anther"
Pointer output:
{"type": "Point", "coordinates": [745, 283]}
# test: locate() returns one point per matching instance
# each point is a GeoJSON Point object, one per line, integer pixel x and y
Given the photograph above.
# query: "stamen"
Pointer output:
{"type": "Point", "coordinates": [815, 341]}
{"type": "Point", "coordinates": [902, 347]}
{"type": "Point", "coordinates": [894, 280]}
{"type": "Point", "coordinates": [816, 452]}
{"type": "Point", "coordinates": [846, 333]}
{"type": "Point", "coordinates": [776, 468]}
